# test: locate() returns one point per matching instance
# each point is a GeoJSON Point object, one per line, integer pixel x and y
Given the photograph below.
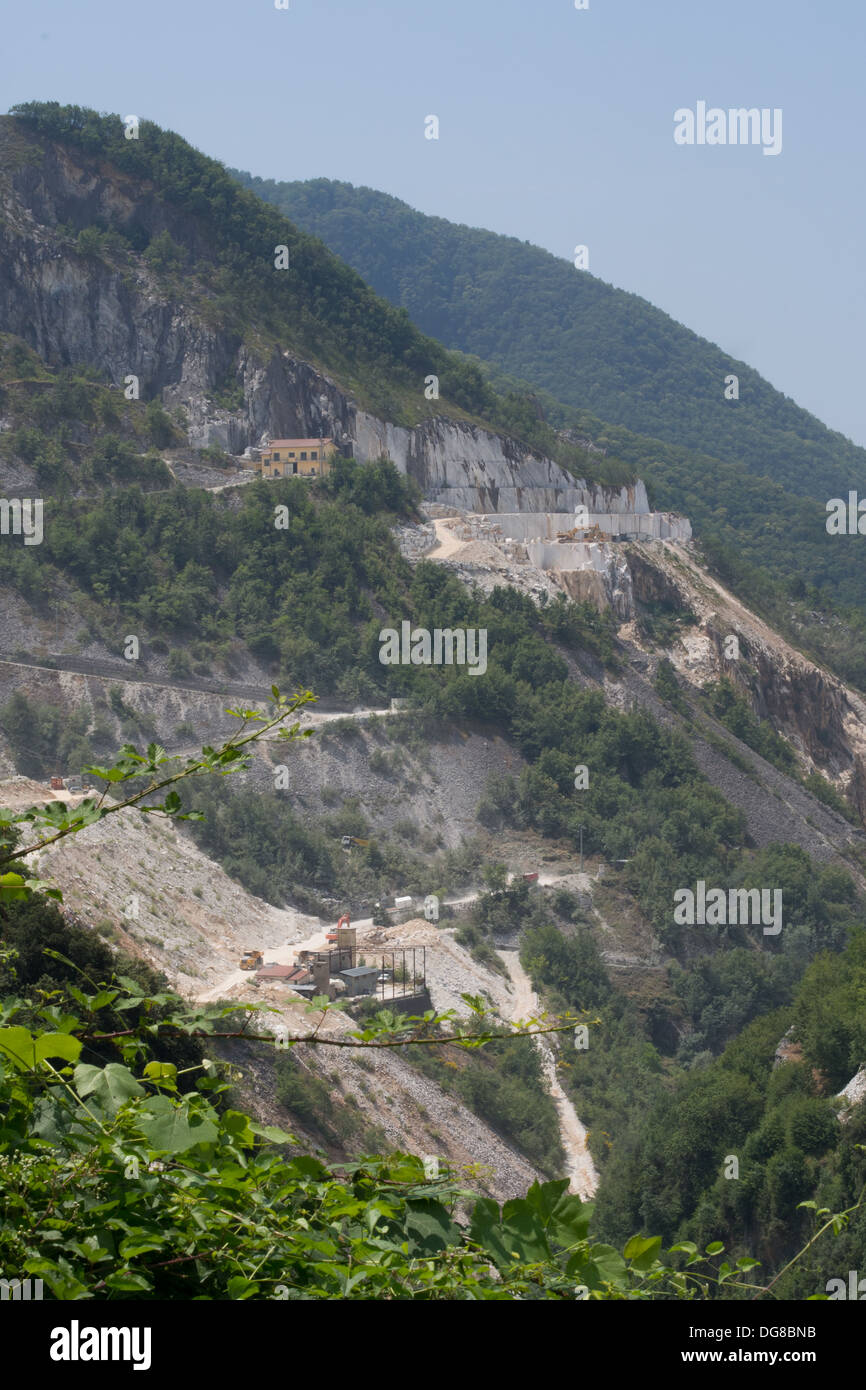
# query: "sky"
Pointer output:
{"type": "Point", "coordinates": [556, 125]}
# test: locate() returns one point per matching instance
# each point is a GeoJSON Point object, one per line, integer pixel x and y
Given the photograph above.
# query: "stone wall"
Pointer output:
{"type": "Point", "coordinates": [636, 525]}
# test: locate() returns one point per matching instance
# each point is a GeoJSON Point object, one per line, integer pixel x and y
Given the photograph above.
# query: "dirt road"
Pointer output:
{"type": "Point", "coordinates": [581, 1171]}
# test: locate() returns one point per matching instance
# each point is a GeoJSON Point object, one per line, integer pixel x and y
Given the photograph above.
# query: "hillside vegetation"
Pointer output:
{"type": "Point", "coordinates": [752, 475]}
{"type": "Point", "coordinates": [590, 345]}
{"type": "Point", "coordinates": [295, 580]}
{"type": "Point", "coordinates": [226, 266]}
{"type": "Point", "coordinates": [72, 433]}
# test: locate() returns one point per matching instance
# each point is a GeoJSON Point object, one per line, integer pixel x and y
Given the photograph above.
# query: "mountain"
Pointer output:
{"type": "Point", "coordinates": [215, 250]}
{"type": "Point", "coordinates": [170, 582]}
{"type": "Point", "coordinates": [753, 475]}
{"type": "Point", "coordinates": [588, 344]}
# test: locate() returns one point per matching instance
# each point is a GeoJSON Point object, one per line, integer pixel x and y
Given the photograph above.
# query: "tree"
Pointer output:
{"type": "Point", "coordinates": [495, 877]}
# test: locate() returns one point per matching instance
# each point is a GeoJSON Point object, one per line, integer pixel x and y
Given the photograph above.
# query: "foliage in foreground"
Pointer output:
{"type": "Point", "coordinates": [116, 1185]}
{"type": "Point", "coordinates": [124, 1175]}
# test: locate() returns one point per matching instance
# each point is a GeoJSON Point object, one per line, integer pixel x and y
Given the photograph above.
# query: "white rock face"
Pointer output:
{"type": "Point", "coordinates": [461, 466]}
{"type": "Point", "coordinates": [855, 1091]}
{"type": "Point", "coordinates": [635, 525]}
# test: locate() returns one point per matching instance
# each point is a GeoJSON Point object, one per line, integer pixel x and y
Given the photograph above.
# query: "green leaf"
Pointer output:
{"type": "Point", "coordinates": [308, 1167]}
{"type": "Point", "coordinates": [563, 1215]}
{"type": "Point", "coordinates": [126, 1281]}
{"type": "Point", "coordinates": [486, 1230]}
{"type": "Point", "coordinates": [164, 1073]}
{"type": "Point", "coordinates": [172, 1127]}
{"type": "Point", "coordinates": [26, 1051]}
{"type": "Point", "coordinates": [58, 1045]}
{"type": "Point", "coordinates": [609, 1265]}
{"type": "Point", "coordinates": [240, 1288]}
{"type": "Point", "coordinates": [12, 888]}
{"type": "Point", "coordinates": [715, 1248]}
{"type": "Point", "coordinates": [687, 1247]}
{"type": "Point", "coordinates": [111, 1085]}
{"type": "Point", "coordinates": [238, 1126]}
{"type": "Point", "coordinates": [133, 1246]}
{"type": "Point", "coordinates": [642, 1251]}
{"type": "Point", "coordinates": [103, 999]}
{"type": "Point", "coordinates": [430, 1228]}
{"type": "Point", "coordinates": [272, 1134]}
{"type": "Point", "coordinates": [523, 1233]}
{"type": "Point", "coordinates": [17, 1045]}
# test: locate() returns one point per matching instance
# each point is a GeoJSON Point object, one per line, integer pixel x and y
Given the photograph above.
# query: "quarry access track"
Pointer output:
{"type": "Point", "coordinates": [580, 1169]}
{"type": "Point", "coordinates": [325, 708]}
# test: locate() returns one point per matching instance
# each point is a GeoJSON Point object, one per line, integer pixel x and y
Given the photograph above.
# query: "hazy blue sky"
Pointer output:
{"type": "Point", "coordinates": [556, 127]}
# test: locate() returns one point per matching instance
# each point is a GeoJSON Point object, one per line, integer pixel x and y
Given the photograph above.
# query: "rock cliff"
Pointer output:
{"type": "Point", "coordinates": [113, 314]}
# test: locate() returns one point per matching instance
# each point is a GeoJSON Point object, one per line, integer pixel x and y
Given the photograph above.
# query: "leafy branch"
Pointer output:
{"type": "Point", "coordinates": [54, 821]}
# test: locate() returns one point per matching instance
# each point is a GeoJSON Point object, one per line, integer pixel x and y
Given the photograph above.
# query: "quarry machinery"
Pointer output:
{"type": "Point", "coordinates": [343, 922]}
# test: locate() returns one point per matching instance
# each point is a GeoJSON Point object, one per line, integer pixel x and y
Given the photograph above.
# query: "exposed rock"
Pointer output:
{"type": "Point", "coordinates": [855, 1092]}
{"type": "Point", "coordinates": [787, 1050]}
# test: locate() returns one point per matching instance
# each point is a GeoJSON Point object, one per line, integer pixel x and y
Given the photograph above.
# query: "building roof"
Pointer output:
{"type": "Point", "coordinates": [297, 443]}
{"type": "Point", "coordinates": [275, 972]}
{"type": "Point", "coordinates": [356, 970]}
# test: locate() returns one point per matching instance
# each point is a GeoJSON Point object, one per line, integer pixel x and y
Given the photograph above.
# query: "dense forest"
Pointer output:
{"type": "Point", "coordinates": [779, 1121]}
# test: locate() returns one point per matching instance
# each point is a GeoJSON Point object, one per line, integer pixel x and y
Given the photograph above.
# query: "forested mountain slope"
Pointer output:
{"type": "Point", "coordinates": [752, 474]}
{"type": "Point", "coordinates": [143, 257]}
{"type": "Point", "coordinates": [590, 345]}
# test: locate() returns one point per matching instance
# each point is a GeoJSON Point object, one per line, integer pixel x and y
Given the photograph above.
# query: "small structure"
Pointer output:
{"type": "Point", "coordinates": [303, 458]}
{"type": "Point", "coordinates": [360, 979]}
{"type": "Point", "coordinates": [347, 941]}
{"type": "Point", "coordinates": [275, 972]}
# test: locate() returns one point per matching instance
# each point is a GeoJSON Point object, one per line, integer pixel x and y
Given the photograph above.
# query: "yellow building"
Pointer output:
{"type": "Point", "coordinates": [307, 458]}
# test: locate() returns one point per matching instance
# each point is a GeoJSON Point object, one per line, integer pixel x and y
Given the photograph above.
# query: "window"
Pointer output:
{"type": "Point", "coordinates": [276, 458]}
{"type": "Point", "coordinates": [303, 456]}
{"type": "Point", "coordinates": [291, 453]}
{"type": "Point", "coordinates": [313, 454]}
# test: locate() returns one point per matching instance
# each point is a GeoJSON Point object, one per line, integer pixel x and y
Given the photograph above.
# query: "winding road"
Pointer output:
{"type": "Point", "coordinates": [580, 1169]}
